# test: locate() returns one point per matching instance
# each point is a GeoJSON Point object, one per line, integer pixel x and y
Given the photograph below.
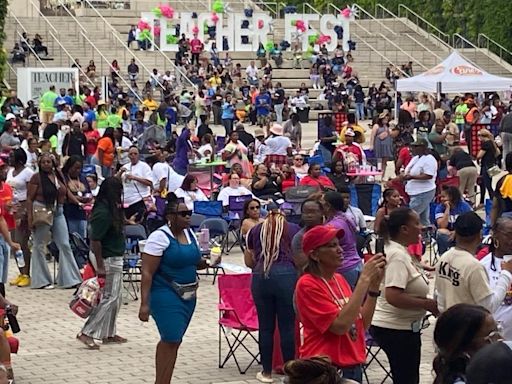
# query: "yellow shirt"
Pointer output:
{"type": "Point", "coordinates": [150, 104]}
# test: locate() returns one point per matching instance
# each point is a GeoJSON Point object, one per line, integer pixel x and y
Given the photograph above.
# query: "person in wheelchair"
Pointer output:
{"type": "Point", "coordinates": [446, 213]}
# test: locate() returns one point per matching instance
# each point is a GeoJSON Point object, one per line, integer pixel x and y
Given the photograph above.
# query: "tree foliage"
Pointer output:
{"type": "Point", "coordinates": [469, 17]}
{"type": "Point", "coordinates": [3, 54]}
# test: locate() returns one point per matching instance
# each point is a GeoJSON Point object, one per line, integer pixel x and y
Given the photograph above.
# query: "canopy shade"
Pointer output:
{"type": "Point", "coordinates": [455, 74]}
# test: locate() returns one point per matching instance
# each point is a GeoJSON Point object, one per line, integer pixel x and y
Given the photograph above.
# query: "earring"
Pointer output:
{"type": "Point", "coordinates": [496, 243]}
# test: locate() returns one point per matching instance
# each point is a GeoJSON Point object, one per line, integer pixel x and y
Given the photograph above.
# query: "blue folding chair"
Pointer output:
{"type": "Point", "coordinates": [366, 197]}
{"type": "Point", "coordinates": [235, 217]}
{"type": "Point", "coordinates": [318, 159]}
{"type": "Point", "coordinates": [218, 228]}
{"type": "Point", "coordinates": [131, 258]}
{"type": "Point", "coordinates": [208, 208]}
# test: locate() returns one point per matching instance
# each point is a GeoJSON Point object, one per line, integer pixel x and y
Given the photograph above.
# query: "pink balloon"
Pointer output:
{"type": "Point", "coordinates": [346, 12]}
{"type": "Point", "coordinates": [215, 17]}
{"type": "Point", "coordinates": [167, 11]}
{"type": "Point", "coordinates": [324, 39]}
{"type": "Point", "coordinates": [300, 25]}
{"type": "Point", "coordinates": [195, 30]}
{"type": "Point", "coordinates": [260, 24]}
{"type": "Point", "coordinates": [143, 25]}
{"type": "Point", "coordinates": [156, 31]}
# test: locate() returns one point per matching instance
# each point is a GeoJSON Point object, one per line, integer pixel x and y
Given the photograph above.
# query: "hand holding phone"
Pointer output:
{"type": "Point", "coordinates": [379, 245]}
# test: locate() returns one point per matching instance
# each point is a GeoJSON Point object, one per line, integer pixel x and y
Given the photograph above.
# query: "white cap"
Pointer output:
{"type": "Point", "coordinates": [9, 116]}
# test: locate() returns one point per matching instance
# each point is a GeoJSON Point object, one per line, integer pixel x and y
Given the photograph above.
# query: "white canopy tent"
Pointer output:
{"type": "Point", "coordinates": [455, 74]}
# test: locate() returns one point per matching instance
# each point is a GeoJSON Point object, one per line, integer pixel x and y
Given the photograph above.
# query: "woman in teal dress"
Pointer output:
{"type": "Point", "coordinates": [168, 290]}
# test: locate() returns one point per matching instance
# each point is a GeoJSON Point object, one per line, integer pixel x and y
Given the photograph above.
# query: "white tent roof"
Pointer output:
{"type": "Point", "coordinates": [455, 74]}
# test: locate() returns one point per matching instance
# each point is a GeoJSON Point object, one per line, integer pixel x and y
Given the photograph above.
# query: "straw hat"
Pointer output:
{"type": "Point", "coordinates": [277, 130]}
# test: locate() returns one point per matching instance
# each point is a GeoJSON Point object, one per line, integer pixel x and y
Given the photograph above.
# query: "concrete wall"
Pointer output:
{"type": "Point", "coordinates": [23, 8]}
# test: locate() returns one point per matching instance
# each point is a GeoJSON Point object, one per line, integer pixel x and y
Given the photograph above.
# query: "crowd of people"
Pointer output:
{"type": "Point", "coordinates": [89, 164]}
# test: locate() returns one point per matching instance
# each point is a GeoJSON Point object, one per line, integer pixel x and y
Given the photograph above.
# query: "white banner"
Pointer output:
{"type": "Point", "coordinates": [33, 82]}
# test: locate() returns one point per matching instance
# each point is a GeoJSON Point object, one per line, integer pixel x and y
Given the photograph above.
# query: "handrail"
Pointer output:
{"type": "Point", "coordinates": [37, 8]}
{"type": "Point", "coordinates": [362, 10]}
{"type": "Point", "coordinates": [155, 46]}
{"type": "Point", "coordinates": [6, 84]}
{"type": "Point", "coordinates": [108, 63]}
{"type": "Point", "coordinates": [334, 7]}
{"type": "Point", "coordinates": [380, 6]}
{"type": "Point", "coordinates": [11, 68]}
{"type": "Point", "coordinates": [29, 46]}
{"type": "Point", "coordinates": [359, 39]}
{"type": "Point", "coordinates": [446, 37]}
{"type": "Point", "coordinates": [63, 6]}
{"type": "Point", "coordinates": [412, 58]}
{"type": "Point", "coordinates": [268, 6]}
{"type": "Point", "coordinates": [501, 48]}
{"type": "Point", "coordinates": [460, 37]}
{"type": "Point", "coordinates": [416, 41]}
{"type": "Point", "coordinates": [73, 60]}
{"type": "Point", "coordinates": [307, 5]}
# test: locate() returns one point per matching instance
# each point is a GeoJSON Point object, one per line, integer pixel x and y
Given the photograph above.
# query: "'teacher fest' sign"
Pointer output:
{"type": "Point", "coordinates": [260, 26]}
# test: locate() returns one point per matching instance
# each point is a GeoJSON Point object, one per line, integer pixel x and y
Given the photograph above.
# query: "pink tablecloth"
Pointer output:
{"type": "Point", "coordinates": [365, 173]}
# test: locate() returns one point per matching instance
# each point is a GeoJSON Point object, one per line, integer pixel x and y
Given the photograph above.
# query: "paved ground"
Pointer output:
{"type": "Point", "coordinates": [49, 352]}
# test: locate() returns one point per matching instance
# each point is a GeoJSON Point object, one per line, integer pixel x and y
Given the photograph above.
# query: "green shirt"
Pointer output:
{"type": "Point", "coordinates": [2, 122]}
{"type": "Point", "coordinates": [440, 148]}
{"type": "Point", "coordinates": [112, 241]}
{"type": "Point", "coordinates": [47, 103]}
{"type": "Point", "coordinates": [102, 120]}
{"type": "Point", "coordinates": [114, 121]}
{"type": "Point", "coordinates": [54, 141]}
{"type": "Point", "coordinates": [460, 112]}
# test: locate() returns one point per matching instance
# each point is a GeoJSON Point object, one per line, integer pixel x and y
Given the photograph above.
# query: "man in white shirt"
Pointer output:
{"type": "Point", "coordinates": [277, 144]}
{"type": "Point", "coordinates": [137, 181]}
{"type": "Point", "coordinates": [164, 176]}
{"type": "Point", "coordinates": [252, 73]}
{"type": "Point", "coordinates": [420, 174]}
{"type": "Point", "coordinates": [460, 278]}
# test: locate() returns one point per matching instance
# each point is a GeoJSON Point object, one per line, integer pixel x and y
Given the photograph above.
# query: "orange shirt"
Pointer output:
{"type": "Point", "coordinates": [5, 199]}
{"type": "Point", "coordinates": [470, 116]}
{"type": "Point", "coordinates": [108, 151]}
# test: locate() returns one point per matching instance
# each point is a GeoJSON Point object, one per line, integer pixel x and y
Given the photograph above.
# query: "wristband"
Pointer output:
{"type": "Point", "coordinates": [374, 293]}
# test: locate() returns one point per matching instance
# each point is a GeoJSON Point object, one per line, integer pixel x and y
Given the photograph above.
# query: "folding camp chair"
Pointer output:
{"type": "Point", "coordinates": [372, 355]}
{"type": "Point", "coordinates": [132, 260]}
{"type": "Point", "coordinates": [236, 214]}
{"type": "Point", "coordinates": [218, 228]}
{"type": "Point", "coordinates": [238, 319]}
{"type": "Point", "coordinates": [293, 199]}
{"type": "Point", "coordinates": [208, 208]}
{"type": "Point", "coordinates": [366, 197]}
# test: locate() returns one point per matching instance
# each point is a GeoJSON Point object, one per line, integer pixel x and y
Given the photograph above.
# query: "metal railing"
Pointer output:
{"type": "Point", "coordinates": [145, 6]}
{"type": "Point", "coordinates": [420, 22]}
{"type": "Point", "coordinates": [114, 33]}
{"type": "Point", "coordinates": [270, 7]}
{"type": "Point", "coordinates": [56, 39]}
{"type": "Point", "coordinates": [335, 9]}
{"type": "Point", "coordinates": [469, 50]}
{"type": "Point", "coordinates": [128, 86]}
{"type": "Point", "coordinates": [377, 22]}
{"type": "Point", "coordinates": [309, 6]}
{"type": "Point", "coordinates": [22, 39]}
{"type": "Point", "coordinates": [483, 41]}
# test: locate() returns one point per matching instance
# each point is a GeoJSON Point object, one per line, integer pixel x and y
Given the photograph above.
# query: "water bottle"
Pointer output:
{"type": "Point", "coordinates": [20, 260]}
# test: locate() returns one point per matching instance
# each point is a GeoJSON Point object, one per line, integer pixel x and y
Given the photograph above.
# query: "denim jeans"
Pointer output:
{"type": "Point", "coordinates": [443, 242]}
{"type": "Point", "coordinates": [353, 373]}
{"type": "Point", "coordinates": [352, 275]}
{"type": "Point", "coordinates": [78, 226]}
{"type": "Point", "coordinates": [360, 111]}
{"type": "Point", "coordinates": [228, 126]}
{"type": "Point", "coordinates": [420, 203]}
{"type": "Point", "coordinates": [273, 296]}
{"type": "Point", "coordinates": [278, 108]}
{"type": "Point", "coordinates": [68, 275]}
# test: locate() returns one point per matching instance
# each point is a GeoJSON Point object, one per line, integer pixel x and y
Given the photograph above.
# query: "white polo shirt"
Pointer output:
{"type": "Point", "coordinates": [426, 164]}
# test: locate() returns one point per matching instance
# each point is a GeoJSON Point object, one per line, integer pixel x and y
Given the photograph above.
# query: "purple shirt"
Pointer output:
{"type": "Point", "coordinates": [285, 256]}
{"type": "Point", "coordinates": [181, 159]}
{"type": "Point", "coordinates": [348, 243]}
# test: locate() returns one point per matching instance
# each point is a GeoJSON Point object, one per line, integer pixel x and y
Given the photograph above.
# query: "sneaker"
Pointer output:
{"type": "Point", "coordinates": [16, 280]}
{"type": "Point", "coordinates": [263, 379]}
{"type": "Point", "coordinates": [49, 286]}
{"type": "Point", "coordinates": [24, 281]}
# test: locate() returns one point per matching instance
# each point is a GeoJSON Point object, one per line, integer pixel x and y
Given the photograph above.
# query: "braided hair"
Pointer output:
{"type": "Point", "coordinates": [454, 335]}
{"type": "Point", "coordinates": [273, 231]}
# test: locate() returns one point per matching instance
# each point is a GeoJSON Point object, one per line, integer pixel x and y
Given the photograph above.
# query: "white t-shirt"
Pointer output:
{"type": "Point", "coordinates": [31, 160]}
{"type": "Point", "coordinates": [277, 145]}
{"type": "Point", "coordinates": [190, 196]}
{"type": "Point", "coordinates": [504, 312]}
{"type": "Point", "coordinates": [251, 71]}
{"type": "Point", "coordinates": [228, 191]}
{"type": "Point", "coordinates": [164, 170]}
{"type": "Point", "coordinates": [126, 143]}
{"type": "Point", "coordinates": [19, 182]}
{"type": "Point", "coordinates": [203, 148]}
{"type": "Point", "coordinates": [133, 190]}
{"type": "Point", "coordinates": [421, 164]}
{"type": "Point", "coordinates": [157, 242]}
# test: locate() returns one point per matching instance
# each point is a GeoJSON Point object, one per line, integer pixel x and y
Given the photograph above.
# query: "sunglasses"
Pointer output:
{"type": "Point", "coordinates": [254, 208]}
{"type": "Point", "coordinates": [183, 213]}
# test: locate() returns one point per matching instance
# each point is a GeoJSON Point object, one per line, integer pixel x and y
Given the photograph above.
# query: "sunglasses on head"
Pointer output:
{"type": "Point", "coordinates": [184, 213]}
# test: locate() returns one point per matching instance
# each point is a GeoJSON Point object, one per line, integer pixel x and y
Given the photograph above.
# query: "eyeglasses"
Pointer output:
{"type": "Point", "coordinates": [183, 213]}
{"type": "Point", "coordinates": [254, 208]}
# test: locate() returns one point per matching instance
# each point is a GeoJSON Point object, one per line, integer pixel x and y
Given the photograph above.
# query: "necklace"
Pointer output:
{"type": "Point", "coordinates": [340, 302]}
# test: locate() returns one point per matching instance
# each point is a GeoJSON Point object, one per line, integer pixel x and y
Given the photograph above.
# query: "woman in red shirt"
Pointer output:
{"type": "Point", "coordinates": [92, 135]}
{"type": "Point", "coordinates": [315, 179]}
{"type": "Point", "coordinates": [334, 317]}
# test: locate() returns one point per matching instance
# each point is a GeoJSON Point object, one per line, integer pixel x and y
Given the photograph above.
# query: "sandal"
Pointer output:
{"type": "Point", "coordinates": [115, 340]}
{"type": "Point", "coordinates": [87, 341]}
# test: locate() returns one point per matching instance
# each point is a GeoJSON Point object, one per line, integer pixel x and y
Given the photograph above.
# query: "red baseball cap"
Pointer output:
{"type": "Point", "coordinates": [318, 236]}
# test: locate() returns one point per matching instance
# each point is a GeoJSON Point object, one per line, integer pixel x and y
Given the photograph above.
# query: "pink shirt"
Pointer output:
{"type": "Point", "coordinates": [196, 46]}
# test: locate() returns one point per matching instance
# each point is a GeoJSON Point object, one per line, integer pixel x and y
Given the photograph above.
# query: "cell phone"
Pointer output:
{"type": "Point", "coordinates": [379, 245]}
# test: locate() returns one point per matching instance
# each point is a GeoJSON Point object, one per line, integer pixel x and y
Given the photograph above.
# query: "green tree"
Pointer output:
{"type": "Point", "coordinates": [3, 54]}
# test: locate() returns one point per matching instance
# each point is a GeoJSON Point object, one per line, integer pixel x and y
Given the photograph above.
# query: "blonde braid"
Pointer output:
{"type": "Point", "coordinates": [271, 233]}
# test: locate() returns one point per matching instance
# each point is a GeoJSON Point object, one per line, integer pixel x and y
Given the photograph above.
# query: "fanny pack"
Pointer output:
{"type": "Point", "coordinates": [186, 292]}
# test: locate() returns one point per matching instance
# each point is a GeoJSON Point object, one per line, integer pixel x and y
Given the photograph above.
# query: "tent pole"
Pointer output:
{"type": "Point", "coordinates": [396, 105]}
{"type": "Point", "coordinates": [439, 90]}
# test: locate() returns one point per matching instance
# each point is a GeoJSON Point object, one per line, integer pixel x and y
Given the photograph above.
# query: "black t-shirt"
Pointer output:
{"type": "Point", "coordinates": [244, 89]}
{"type": "Point", "coordinates": [202, 130]}
{"type": "Point", "coordinates": [74, 144]}
{"type": "Point", "coordinates": [422, 127]}
{"type": "Point", "coordinates": [461, 159]}
{"type": "Point", "coordinates": [489, 159]}
{"type": "Point", "coordinates": [269, 189]}
{"type": "Point", "coordinates": [245, 137]}
{"type": "Point", "coordinates": [279, 96]}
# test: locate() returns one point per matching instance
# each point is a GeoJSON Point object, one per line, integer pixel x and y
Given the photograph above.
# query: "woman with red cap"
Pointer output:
{"type": "Point", "coordinates": [334, 317]}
